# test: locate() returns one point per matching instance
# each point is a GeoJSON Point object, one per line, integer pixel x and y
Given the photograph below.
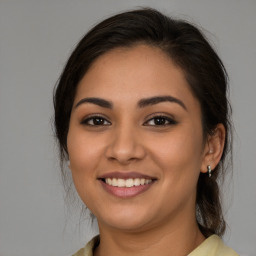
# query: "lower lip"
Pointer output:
{"type": "Point", "coordinates": [125, 192]}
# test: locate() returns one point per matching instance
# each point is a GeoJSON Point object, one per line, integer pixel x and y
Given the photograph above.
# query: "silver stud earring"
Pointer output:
{"type": "Point", "coordinates": [209, 170]}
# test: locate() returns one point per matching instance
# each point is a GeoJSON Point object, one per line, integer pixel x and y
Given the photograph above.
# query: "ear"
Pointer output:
{"type": "Point", "coordinates": [214, 148]}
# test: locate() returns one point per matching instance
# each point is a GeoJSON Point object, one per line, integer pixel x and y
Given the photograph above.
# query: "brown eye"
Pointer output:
{"type": "Point", "coordinates": [160, 121]}
{"type": "Point", "coordinates": [95, 121]}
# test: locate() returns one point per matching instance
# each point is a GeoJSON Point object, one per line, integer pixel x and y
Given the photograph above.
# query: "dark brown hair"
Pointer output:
{"type": "Point", "coordinates": [204, 71]}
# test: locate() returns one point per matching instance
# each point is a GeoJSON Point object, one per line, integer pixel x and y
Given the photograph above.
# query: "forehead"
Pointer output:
{"type": "Point", "coordinates": [135, 72]}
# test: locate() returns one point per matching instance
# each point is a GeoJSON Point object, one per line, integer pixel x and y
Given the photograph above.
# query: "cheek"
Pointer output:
{"type": "Point", "coordinates": [179, 157]}
{"type": "Point", "coordinates": [84, 154]}
{"type": "Point", "coordinates": [82, 149]}
{"type": "Point", "coordinates": [180, 161]}
{"type": "Point", "coordinates": [180, 149]}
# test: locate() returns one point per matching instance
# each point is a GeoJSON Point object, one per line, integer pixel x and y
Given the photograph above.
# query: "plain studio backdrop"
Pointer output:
{"type": "Point", "coordinates": [36, 37]}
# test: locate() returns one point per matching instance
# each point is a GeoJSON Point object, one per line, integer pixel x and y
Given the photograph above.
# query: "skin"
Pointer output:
{"type": "Point", "coordinates": [160, 221]}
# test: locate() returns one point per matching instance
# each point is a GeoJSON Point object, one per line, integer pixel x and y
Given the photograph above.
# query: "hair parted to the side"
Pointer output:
{"type": "Point", "coordinates": [188, 49]}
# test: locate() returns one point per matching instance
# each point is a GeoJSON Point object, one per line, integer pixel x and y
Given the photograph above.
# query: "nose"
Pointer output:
{"type": "Point", "coordinates": [126, 145]}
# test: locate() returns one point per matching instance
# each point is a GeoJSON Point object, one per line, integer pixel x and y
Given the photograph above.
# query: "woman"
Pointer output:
{"type": "Point", "coordinates": [142, 116]}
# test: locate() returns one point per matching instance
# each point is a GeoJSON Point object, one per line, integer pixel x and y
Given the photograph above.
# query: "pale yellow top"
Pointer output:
{"type": "Point", "coordinates": [212, 246]}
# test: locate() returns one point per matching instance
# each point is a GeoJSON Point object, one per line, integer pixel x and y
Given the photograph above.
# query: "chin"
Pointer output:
{"type": "Point", "coordinates": [125, 220]}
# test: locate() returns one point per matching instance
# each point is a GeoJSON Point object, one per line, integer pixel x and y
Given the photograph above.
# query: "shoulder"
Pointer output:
{"type": "Point", "coordinates": [213, 246]}
{"type": "Point", "coordinates": [88, 249]}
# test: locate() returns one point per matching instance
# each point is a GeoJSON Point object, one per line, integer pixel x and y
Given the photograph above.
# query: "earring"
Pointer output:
{"type": "Point", "coordinates": [209, 170]}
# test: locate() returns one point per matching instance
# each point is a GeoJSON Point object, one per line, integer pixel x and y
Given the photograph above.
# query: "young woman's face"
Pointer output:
{"type": "Point", "coordinates": [135, 140]}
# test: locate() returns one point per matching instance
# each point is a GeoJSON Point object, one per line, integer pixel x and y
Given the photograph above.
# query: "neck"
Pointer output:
{"type": "Point", "coordinates": [166, 239]}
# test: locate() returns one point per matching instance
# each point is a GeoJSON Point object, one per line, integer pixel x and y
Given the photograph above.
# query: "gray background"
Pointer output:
{"type": "Point", "coordinates": [36, 39]}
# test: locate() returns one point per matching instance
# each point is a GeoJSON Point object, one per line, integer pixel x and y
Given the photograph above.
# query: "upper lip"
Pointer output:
{"type": "Point", "coordinates": [126, 175]}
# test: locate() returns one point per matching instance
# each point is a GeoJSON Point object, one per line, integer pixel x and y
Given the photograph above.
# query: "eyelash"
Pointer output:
{"type": "Point", "coordinates": [160, 118]}
{"type": "Point", "coordinates": [94, 119]}
{"type": "Point", "coordinates": [102, 121]}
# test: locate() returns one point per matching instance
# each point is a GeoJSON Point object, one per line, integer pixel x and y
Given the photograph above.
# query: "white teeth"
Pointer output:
{"type": "Point", "coordinates": [136, 182]}
{"type": "Point", "coordinates": [109, 181]}
{"type": "Point", "coordinates": [113, 182]}
{"type": "Point", "coordinates": [121, 183]}
{"type": "Point", "coordinates": [128, 183]}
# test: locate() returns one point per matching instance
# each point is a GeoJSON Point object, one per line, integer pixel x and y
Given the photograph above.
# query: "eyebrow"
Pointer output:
{"type": "Point", "coordinates": [141, 104]}
{"type": "Point", "coordinates": [97, 101]}
{"type": "Point", "coordinates": [159, 99]}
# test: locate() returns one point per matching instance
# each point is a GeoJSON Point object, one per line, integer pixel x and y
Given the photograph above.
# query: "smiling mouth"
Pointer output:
{"type": "Point", "coordinates": [127, 183]}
